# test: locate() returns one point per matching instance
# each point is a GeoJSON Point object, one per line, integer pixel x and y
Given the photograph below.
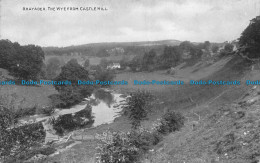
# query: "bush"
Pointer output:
{"type": "Point", "coordinates": [170, 122]}
{"type": "Point", "coordinates": [25, 112]}
{"type": "Point", "coordinates": [116, 148]}
{"type": "Point", "coordinates": [69, 122]}
{"type": "Point", "coordinates": [46, 110]}
{"type": "Point", "coordinates": [35, 151]}
{"type": "Point", "coordinates": [120, 147]}
{"type": "Point", "coordinates": [138, 107]}
{"type": "Point", "coordinates": [15, 141]}
{"type": "Point", "coordinates": [144, 139]}
{"type": "Point", "coordinates": [53, 68]}
{"type": "Point", "coordinates": [250, 38]}
{"type": "Point", "coordinates": [104, 75]}
{"type": "Point", "coordinates": [57, 101]}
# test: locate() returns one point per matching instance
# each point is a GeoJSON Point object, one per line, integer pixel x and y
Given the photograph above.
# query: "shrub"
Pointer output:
{"type": "Point", "coordinates": [138, 107]}
{"type": "Point", "coordinates": [56, 100]}
{"type": "Point", "coordinates": [46, 110]}
{"type": "Point", "coordinates": [53, 67]}
{"type": "Point", "coordinates": [6, 118]}
{"type": "Point", "coordinates": [25, 112]}
{"type": "Point", "coordinates": [35, 151]}
{"type": "Point", "coordinates": [18, 140]}
{"type": "Point", "coordinates": [69, 122]}
{"type": "Point", "coordinates": [116, 148]}
{"type": "Point", "coordinates": [170, 122]}
{"type": "Point", "coordinates": [143, 139]}
{"type": "Point", "coordinates": [104, 75]}
{"type": "Point", "coordinates": [250, 38]}
{"type": "Point", "coordinates": [120, 147]}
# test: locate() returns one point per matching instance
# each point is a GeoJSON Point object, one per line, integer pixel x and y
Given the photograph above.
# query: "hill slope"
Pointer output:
{"type": "Point", "coordinates": [113, 48]}
{"type": "Point", "coordinates": [223, 126]}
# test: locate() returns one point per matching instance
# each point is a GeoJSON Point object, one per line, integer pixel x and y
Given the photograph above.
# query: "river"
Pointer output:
{"type": "Point", "coordinates": [105, 104]}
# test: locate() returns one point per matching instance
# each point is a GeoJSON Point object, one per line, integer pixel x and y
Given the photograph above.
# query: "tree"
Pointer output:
{"type": "Point", "coordinates": [27, 62]}
{"type": "Point", "coordinates": [17, 140]}
{"type": "Point", "coordinates": [73, 93]}
{"type": "Point", "coordinates": [138, 106]}
{"type": "Point", "coordinates": [102, 53]}
{"type": "Point", "coordinates": [104, 75]}
{"type": "Point", "coordinates": [215, 49]}
{"type": "Point", "coordinates": [43, 72]}
{"type": "Point", "coordinates": [103, 63]}
{"type": "Point", "coordinates": [136, 63]}
{"type": "Point", "coordinates": [186, 45]}
{"type": "Point", "coordinates": [124, 62]}
{"type": "Point", "coordinates": [194, 51]}
{"type": "Point", "coordinates": [250, 38]}
{"type": "Point", "coordinates": [228, 48]}
{"type": "Point", "coordinates": [6, 50]}
{"type": "Point", "coordinates": [53, 67]}
{"type": "Point", "coordinates": [86, 63]}
{"type": "Point", "coordinates": [149, 60]}
{"type": "Point", "coordinates": [207, 45]}
{"type": "Point", "coordinates": [170, 57]}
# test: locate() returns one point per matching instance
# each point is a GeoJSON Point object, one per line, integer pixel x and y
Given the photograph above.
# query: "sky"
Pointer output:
{"type": "Point", "coordinates": [125, 21]}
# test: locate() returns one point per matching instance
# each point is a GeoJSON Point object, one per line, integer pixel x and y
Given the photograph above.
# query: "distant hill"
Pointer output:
{"type": "Point", "coordinates": [113, 48]}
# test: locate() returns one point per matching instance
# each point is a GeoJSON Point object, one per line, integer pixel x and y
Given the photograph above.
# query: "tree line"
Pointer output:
{"type": "Point", "coordinates": [170, 57]}
{"type": "Point", "coordinates": [23, 62]}
{"type": "Point", "coordinates": [27, 63]}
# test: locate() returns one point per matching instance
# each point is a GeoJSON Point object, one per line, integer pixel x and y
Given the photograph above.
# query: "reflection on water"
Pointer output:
{"type": "Point", "coordinates": [109, 104]}
{"type": "Point", "coordinates": [105, 107]}
{"type": "Point", "coordinates": [105, 96]}
{"type": "Point", "coordinates": [70, 122]}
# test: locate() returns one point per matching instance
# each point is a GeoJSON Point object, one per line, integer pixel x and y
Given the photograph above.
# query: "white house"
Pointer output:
{"type": "Point", "coordinates": [114, 66]}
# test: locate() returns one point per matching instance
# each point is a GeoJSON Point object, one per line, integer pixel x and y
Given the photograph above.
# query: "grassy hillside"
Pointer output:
{"type": "Point", "coordinates": [216, 118]}
{"type": "Point", "coordinates": [26, 96]}
{"type": "Point", "coordinates": [94, 49]}
{"type": "Point", "coordinates": [221, 122]}
{"type": "Point", "coordinates": [222, 126]}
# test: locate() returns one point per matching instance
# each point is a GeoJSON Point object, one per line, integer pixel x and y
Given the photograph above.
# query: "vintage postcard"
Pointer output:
{"type": "Point", "coordinates": [130, 81]}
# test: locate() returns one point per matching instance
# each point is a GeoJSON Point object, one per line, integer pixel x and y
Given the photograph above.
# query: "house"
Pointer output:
{"type": "Point", "coordinates": [113, 66]}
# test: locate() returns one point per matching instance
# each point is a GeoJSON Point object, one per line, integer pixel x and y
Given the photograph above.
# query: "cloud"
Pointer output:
{"type": "Point", "coordinates": [128, 20]}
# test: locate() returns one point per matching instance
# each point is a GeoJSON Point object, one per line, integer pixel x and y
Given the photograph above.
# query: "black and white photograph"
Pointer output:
{"type": "Point", "coordinates": [130, 81]}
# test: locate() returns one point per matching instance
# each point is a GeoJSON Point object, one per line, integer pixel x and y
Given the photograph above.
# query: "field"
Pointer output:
{"type": "Point", "coordinates": [196, 103]}
{"type": "Point", "coordinates": [29, 96]}
{"type": "Point", "coordinates": [202, 107]}
{"type": "Point", "coordinates": [81, 59]}
{"type": "Point", "coordinates": [203, 70]}
{"type": "Point", "coordinates": [26, 96]}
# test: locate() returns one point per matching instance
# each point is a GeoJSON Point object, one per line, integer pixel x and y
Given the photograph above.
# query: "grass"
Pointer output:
{"type": "Point", "coordinates": [141, 76]}
{"type": "Point", "coordinates": [186, 99]}
{"type": "Point", "coordinates": [208, 138]}
{"type": "Point", "coordinates": [28, 96]}
{"type": "Point", "coordinates": [80, 153]}
{"type": "Point", "coordinates": [218, 136]}
{"type": "Point", "coordinates": [81, 59]}
{"type": "Point", "coordinates": [25, 96]}
{"type": "Point", "coordinates": [208, 111]}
